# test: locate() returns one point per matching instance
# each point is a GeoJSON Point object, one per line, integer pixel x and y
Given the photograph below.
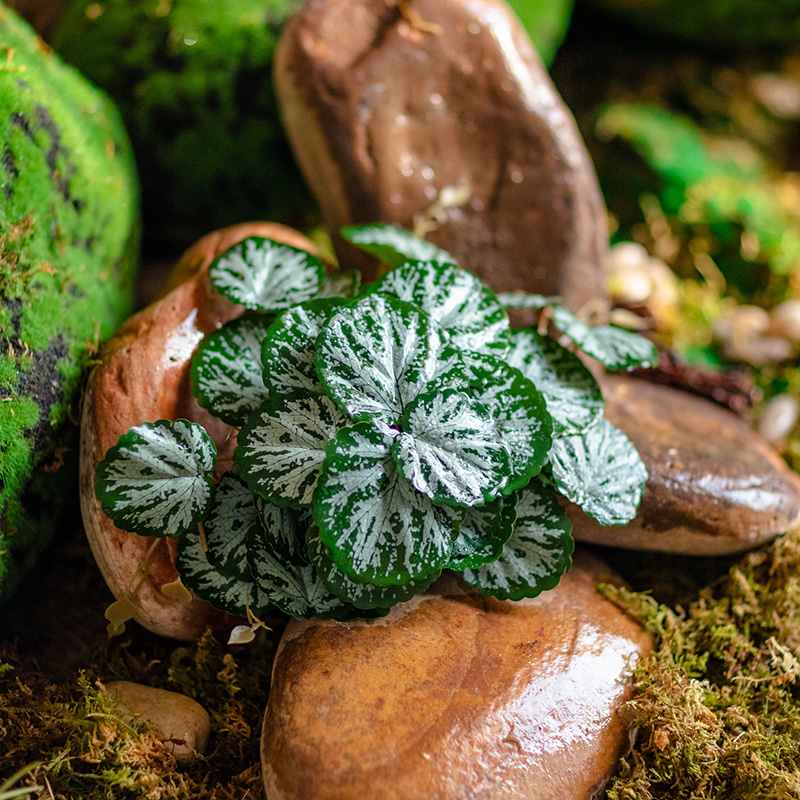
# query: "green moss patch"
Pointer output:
{"type": "Point", "coordinates": [718, 701]}
{"type": "Point", "coordinates": [68, 247]}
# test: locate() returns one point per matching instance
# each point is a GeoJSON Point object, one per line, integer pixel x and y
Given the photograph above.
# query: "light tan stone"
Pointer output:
{"type": "Point", "coordinates": [182, 723]}
{"type": "Point", "coordinates": [454, 696]}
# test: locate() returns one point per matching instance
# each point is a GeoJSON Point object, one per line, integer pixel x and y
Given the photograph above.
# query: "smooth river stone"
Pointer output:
{"type": "Point", "coordinates": [387, 103]}
{"type": "Point", "coordinates": [455, 696]}
{"type": "Point", "coordinates": [715, 486]}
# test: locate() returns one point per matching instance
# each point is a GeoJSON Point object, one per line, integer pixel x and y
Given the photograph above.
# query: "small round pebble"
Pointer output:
{"type": "Point", "coordinates": [778, 418]}
{"type": "Point", "coordinates": [182, 723]}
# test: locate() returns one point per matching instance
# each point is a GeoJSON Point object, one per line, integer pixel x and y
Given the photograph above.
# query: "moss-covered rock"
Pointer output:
{"type": "Point", "coordinates": [193, 81]}
{"type": "Point", "coordinates": [719, 22]}
{"type": "Point", "coordinates": [68, 242]}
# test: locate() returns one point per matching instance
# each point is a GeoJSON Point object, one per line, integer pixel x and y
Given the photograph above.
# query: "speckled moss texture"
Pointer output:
{"type": "Point", "coordinates": [68, 246]}
{"type": "Point", "coordinates": [717, 22]}
{"type": "Point", "coordinates": [193, 80]}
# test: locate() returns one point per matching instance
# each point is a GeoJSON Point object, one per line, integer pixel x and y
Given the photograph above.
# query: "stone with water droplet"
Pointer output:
{"type": "Point", "coordinates": [455, 695]}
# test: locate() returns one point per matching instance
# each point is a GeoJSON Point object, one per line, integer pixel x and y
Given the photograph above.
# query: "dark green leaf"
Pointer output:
{"type": "Point", "coordinates": [613, 347]}
{"type": "Point", "coordinates": [393, 245]}
{"type": "Point", "coordinates": [378, 528]}
{"type": "Point", "coordinates": [572, 395]}
{"type": "Point", "coordinates": [156, 480]}
{"type": "Point", "coordinates": [538, 553]}
{"type": "Point", "coordinates": [264, 275]}
{"type": "Point", "coordinates": [226, 374]}
{"type": "Point", "coordinates": [600, 471]}
{"type": "Point", "coordinates": [484, 532]}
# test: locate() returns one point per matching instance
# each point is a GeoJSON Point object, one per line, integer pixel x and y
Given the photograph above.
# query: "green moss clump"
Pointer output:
{"type": "Point", "coordinates": [193, 80]}
{"type": "Point", "coordinates": [68, 246]}
{"type": "Point", "coordinates": [717, 22]}
{"type": "Point", "coordinates": [718, 700]}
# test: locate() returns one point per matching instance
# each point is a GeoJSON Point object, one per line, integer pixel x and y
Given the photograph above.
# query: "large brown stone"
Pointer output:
{"type": "Point", "coordinates": [387, 102]}
{"type": "Point", "coordinates": [143, 376]}
{"type": "Point", "coordinates": [455, 696]}
{"type": "Point", "coordinates": [715, 486]}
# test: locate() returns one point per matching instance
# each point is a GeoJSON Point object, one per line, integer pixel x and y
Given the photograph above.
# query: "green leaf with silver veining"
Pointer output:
{"type": "Point", "coordinates": [600, 471]}
{"type": "Point", "coordinates": [525, 300]}
{"type": "Point", "coordinates": [344, 283]}
{"type": "Point", "coordinates": [378, 528]}
{"type": "Point", "coordinates": [292, 582]}
{"type": "Point", "coordinates": [225, 592]}
{"type": "Point", "coordinates": [483, 534]}
{"type": "Point", "coordinates": [538, 553]}
{"type": "Point", "coordinates": [519, 413]}
{"type": "Point", "coordinates": [284, 530]}
{"type": "Point", "coordinates": [264, 275]}
{"type": "Point", "coordinates": [361, 595]}
{"type": "Point", "coordinates": [287, 351]}
{"type": "Point", "coordinates": [613, 347]}
{"type": "Point", "coordinates": [232, 516]}
{"type": "Point", "coordinates": [156, 480]}
{"type": "Point", "coordinates": [571, 392]}
{"type": "Point", "coordinates": [450, 449]}
{"type": "Point", "coordinates": [281, 447]}
{"type": "Point", "coordinates": [463, 305]}
{"type": "Point", "coordinates": [226, 370]}
{"type": "Point", "coordinates": [376, 355]}
{"type": "Point", "coordinates": [393, 245]}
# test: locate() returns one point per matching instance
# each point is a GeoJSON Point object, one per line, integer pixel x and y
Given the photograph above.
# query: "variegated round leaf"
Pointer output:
{"type": "Point", "coordinates": [287, 351]}
{"type": "Point", "coordinates": [462, 304]}
{"type": "Point", "coordinates": [600, 471]}
{"type": "Point", "coordinates": [265, 275]}
{"type": "Point", "coordinates": [284, 530]}
{"type": "Point", "coordinates": [233, 516]}
{"type": "Point", "coordinates": [519, 414]}
{"type": "Point", "coordinates": [538, 553]}
{"type": "Point", "coordinates": [281, 447]}
{"type": "Point", "coordinates": [613, 347]}
{"type": "Point", "coordinates": [376, 355]}
{"type": "Point", "coordinates": [361, 595]}
{"type": "Point", "coordinates": [483, 534]}
{"type": "Point", "coordinates": [572, 394]}
{"type": "Point", "coordinates": [450, 449]}
{"type": "Point", "coordinates": [156, 480]}
{"type": "Point", "coordinates": [378, 529]}
{"type": "Point", "coordinates": [393, 245]}
{"type": "Point", "coordinates": [344, 283]}
{"type": "Point", "coordinates": [293, 584]}
{"type": "Point", "coordinates": [225, 592]}
{"type": "Point", "coordinates": [525, 300]}
{"type": "Point", "coordinates": [226, 370]}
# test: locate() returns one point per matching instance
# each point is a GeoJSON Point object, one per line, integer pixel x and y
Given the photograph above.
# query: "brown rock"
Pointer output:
{"type": "Point", "coordinates": [143, 377]}
{"type": "Point", "coordinates": [182, 723]}
{"type": "Point", "coordinates": [715, 486]}
{"type": "Point", "coordinates": [455, 695]}
{"type": "Point", "coordinates": [387, 103]}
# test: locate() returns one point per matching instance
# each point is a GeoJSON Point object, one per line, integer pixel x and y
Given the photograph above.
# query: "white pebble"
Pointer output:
{"type": "Point", "coordinates": [778, 418]}
{"type": "Point", "coordinates": [785, 320]}
{"type": "Point", "coordinates": [627, 255]}
{"type": "Point", "coordinates": [743, 323]}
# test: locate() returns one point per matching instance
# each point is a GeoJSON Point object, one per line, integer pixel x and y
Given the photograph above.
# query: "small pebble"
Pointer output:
{"type": "Point", "coordinates": [627, 255]}
{"type": "Point", "coordinates": [742, 323]}
{"type": "Point", "coordinates": [778, 418]}
{"type": "Point", "coordinates": [182, 723]}
{"type": "Point", "coordinates": [759, 350]}
{"type": "Point", "coordinates": [784, 320]}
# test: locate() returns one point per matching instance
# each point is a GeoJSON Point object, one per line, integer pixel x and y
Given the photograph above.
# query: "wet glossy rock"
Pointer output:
{"type": "Point", "coordinates": [182, 723]}
{"type": "Point", "coordinates": [715, 486]}
{"type": "Point", "coordinates": [455, 696]}
{"type": "Point", "coordinates": [388, 102]}
{"type": "Point", "coordinates": [143, 377]}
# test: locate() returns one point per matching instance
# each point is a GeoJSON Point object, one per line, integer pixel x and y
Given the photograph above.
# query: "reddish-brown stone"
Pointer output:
{"type": "Point", "coordinates": [387, 103]}
{"type": "Point", "coordinates": [143, 377]}
{"type": "Point", "coordinates": [455, 696]}
{"type": "Point", "coordinates": [715, 486]}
